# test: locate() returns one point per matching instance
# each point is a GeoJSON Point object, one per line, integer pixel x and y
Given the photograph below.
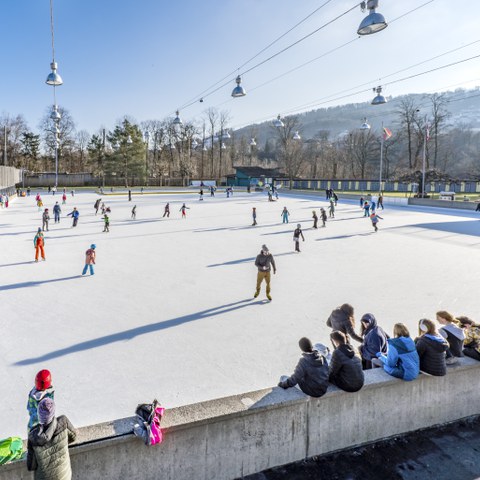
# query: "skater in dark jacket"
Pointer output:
{"type": "Point", "coordinates": [264, 262]}
{"type": "Point", "coordinates": [323, 214]}
{"type": "Point", "coordinates": [56, 212]}
{"type": "Point", "coordinates": [296, 237]}
{"type": "Point", "coordinates": [315, 219]}
{"type": "Point", "coordinates": [166, 211]}
{"type": "Point", "coordinates": [254, 216]}
{"type": "Point", "coordinates": [134, 212]}
{"type": "Point", "coordinates": [345, 369]}
{"type": "Point", "coordinates": [311, 372]}
{"type": "Point", "coordinates": [374, 340]}
{"type": "Point", "coordinates": [342, 319]}
{"type": "Point", "coordinates": [472, 337]}
{"type": "Point", "coordinates": [453, 334]}
{"type": "Point", "coordinates": [431, 348]}
{"type": "Point", "coordinates": [96, 205]}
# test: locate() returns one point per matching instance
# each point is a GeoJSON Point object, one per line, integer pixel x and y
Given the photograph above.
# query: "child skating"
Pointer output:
{"type": "Point", "coordinates": [200, 195]}
{"type": "Point", "coordinates": [184, 209]}
{"type": "Point", "coordinates": [285, 214]}
{"type": "Point", "coordinates": [331, 209]}
{"type": "Point", "coordinates": [64, 198]}
{"type": "Point", "coordinates": [254, 216]}
{"type": "Point", "coordinates": [315, 219]}
{"type": "Point", "coordinates": [296, 237]}
{"type": "Point", "coordinates": [166, 211]}
{"type": "Point", "coordinates": [74, 214]}
{"type": "Point", "coordinates": [39, 243]}
{"type": "Point", "coordinates": [366, 209]}
{"type": "Point", "coordinates": [374, 218]}
{"type": "Point", "coordinates": [90, 257]}
{"type": "Point", "coordinates": [323, 215]}
{"type": "Point", "coordinates": [106, 225]}
{"type": "Point", "coordinates": [56, 212]}
{"type": "Point", "coordinates": [134, 212]}
{"type": "Point", "coordinates": [45, 220]}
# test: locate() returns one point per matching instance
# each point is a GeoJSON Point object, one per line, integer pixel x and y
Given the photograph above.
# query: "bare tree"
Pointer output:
{"type": "Point", "coordinates": [439, 117]}
{"type": "Point", "coordinates": [408, 112]}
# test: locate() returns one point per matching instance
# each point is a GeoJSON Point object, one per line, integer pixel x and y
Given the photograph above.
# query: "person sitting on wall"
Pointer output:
{"type": "Point", "coordinates": [374, 340]}
{"type": "Point", "coordinates": [311, 372]}
{"type": "Point", "coordinates": [345, 367]}
{"type": "Point", "coordinates": [472, 337]}
{"type": "Point", "coordinates": [453, 334]}
{"type": "Point", "coordinates": [402, 359]}
{"type": "Point", "coordinates": [431, 348]}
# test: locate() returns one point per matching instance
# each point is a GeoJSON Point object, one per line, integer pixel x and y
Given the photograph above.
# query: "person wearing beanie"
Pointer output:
{"type": "Point", "coordinates": [47, 454]}
{"type": "Point", "coordinates": [374, 340]}
{"type": "Point", "coordinates": [311, 372]}
{"type": "Point", "coordinates": [296, 237]}
{"type": "Point", "coordinates": [90, 256]}
{"type": "Point", "coordinates": [323, 214]}
{"type": "Point", "coordinates": [39, 243]}
{"type": "Point", "coordinates": [43, 389]}
{"type": "Point", "coordinates": [264, 262]}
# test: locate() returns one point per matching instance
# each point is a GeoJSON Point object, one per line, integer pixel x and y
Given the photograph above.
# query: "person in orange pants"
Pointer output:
{"type": "Point", "coordinates": [39, 242]}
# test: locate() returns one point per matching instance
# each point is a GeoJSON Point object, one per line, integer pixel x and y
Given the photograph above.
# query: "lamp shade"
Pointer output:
{"type": "Point", "coordinates": [238, 91]}
{"type": "Point", "coordinates": [177, 120]}
{"type": "Point", "coordinates": [374, 22]}
{"type": "Point", "coordinates": [53, 78]}
{"type": "Point", "coordinates": [379, 99]}
{"type": "Point", "coordinates": [278, 122]}
{"type": "Point", "coordinates": [365, 125]}
{"type": "Point", "coordinates": [297, 136]}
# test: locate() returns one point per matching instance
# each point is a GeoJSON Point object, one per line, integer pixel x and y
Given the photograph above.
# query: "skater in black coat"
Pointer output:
{"type": "Point", "coordinates": [431, 348]}
{"type": "Point", "coordinates": [342, 319]}
{"type": "Point", "coordinates": [315, 219]}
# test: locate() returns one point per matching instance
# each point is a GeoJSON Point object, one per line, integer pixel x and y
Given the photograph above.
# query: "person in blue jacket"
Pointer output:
{"type": "Point", "coordinates": [374, 340]}
{"type": "Point", "coordinates": [74, 214]}
{"type": "Point", "coordinates": [402, 359]}
{"type": "Point", "coordinates": [56, 212]}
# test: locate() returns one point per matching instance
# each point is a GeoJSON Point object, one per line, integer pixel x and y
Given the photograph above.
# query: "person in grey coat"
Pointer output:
{"type": "Point", "coordinates": [342, 319]}
{"type": "Point", "coordinates": [47, 454]}
{"type": "Point", "coordinates": [311, 372]}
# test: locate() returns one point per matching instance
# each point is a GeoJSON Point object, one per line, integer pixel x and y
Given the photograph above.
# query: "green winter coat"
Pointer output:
{"type": "Point", "coordinates": [48, 453]}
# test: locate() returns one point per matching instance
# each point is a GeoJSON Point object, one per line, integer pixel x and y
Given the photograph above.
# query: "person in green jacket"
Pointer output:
{"type": "Point", "coordinates": [48, 455]}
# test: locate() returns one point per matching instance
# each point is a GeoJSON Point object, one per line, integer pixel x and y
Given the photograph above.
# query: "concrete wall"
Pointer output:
{"type": "Point", "coordinates": [240, 435]}
{"type": "Point", "coordinates": [9, 176]}
{"type": "Point", "coordinates": [427, 202]}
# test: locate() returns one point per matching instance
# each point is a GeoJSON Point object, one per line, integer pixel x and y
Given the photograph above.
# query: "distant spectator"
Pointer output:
{"type": "Point", "coordinates": [311, 372]}
{"type": "Point", "coordinates": [453, 334]}
{"type": "Point", "coordinates": [345, 368]}
{"type": "Point", "coordinates": [431, 348]}
{"type": "Point", "coordinates": [343, 320]}
{"type": "Point", "coordinates": [374, 340]}
{"type": "Point", "coordinates": [48, 454]}
{"type": "Point", "coordinates": [472, 337]}
{"type": "Point", "coordinates": [402, 359]}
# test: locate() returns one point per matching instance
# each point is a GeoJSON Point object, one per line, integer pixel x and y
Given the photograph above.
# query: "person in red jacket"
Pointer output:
{"type": "Point", "coordinates": [39, 242]}
{"type": "Point", "coordinates": [90, 256]}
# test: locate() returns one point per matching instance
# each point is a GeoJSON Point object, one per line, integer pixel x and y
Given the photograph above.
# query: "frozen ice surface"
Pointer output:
{"type": "Point", "coordinates": [169, 313]}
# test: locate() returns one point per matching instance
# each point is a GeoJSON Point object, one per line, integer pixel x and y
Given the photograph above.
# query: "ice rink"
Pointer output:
{"type": "Point", "coordinates": [170, 312]}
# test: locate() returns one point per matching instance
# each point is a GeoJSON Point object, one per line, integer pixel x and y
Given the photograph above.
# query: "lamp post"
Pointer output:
{"type": "Point", "coordinates": [424, 160]}
{"type": "Point", "coordinates": [128, 142]}
{"type": "Point", "coordinates": [253, 144]}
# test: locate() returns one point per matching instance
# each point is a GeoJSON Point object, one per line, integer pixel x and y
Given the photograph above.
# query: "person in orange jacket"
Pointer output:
{"type": "Point", "coordinates": [90, 256]}
{"type": "Point", "coordinates": [39, 242]}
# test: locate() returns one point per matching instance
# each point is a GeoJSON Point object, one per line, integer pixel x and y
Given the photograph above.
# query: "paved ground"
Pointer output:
{"type": "Point", "coordinates": [169, 313]}
{"type": "Point", "coordinates": [447, 453]}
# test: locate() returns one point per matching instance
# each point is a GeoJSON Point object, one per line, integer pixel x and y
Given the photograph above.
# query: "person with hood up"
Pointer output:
{"type": "Point", "coordinates": [39, 243]}
{"type": "Point", "coordinates": [264, 262]}
{"type": "Point", "coordinates": [296, 237]}
{"type": "Point", "coordinates": [472, 337]}
{"type": "Point", "coordinates": [90, 257]}
{"type": "Point", "coordinates": [431, 348]}
{"type": "Point", "coordinates": [56, 212]}
{"type": "Point", "coordinates": [343, 320]}
{"type": "Point", "coordinates": [345, 368]}
{"type": "Point", "coordinates": [453, 334]}
{"type": "Point", "coordinates": [48, 455]}
{"type": "Point", "coordinates": [43, 389]}
{"type": "Point", "coordinates": [402, 359]}
{"type": "Point", "coordinates": [374, 340]}
{"type": "Point", "coordinates": [45, 220]}
{"type": "Point", "coordinates": [311, 372]}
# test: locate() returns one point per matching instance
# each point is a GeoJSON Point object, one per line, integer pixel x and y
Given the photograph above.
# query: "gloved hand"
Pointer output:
{"type": "Point", "coordinates": [282, 385]}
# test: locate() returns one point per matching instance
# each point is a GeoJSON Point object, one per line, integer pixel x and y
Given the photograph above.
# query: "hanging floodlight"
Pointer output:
{"type": "Point", "coordinates": [54, 78]}
{"type": "Point", "coordinates": [177, 120]}
{"type": "Point", "coordinates": [253, 143]}
{"type": "Point", "coordinates": [146, 136]}
{"type": "Point", "coordinates": [278, 122]}
{"type": "Point", "coordinates": [129, 140]}
{"type": "Point", "coordinates": [297, 136]}
{"type": "Point", "coordinates": [238, 91]}
{"type": "Point", "coordinates": [379, 98]}
{"type": "Point", "coordinates": [365, 125]}
{"type": "Point", "coordinates": [205, 149]}
{"type": "Point", "coordinates": [194, 144]}
{"type": "Point", "coordinates": [226, 134]}
{"type": "Point", "coordinates": [55, 115]}
{"type": "Point", "coordinates": [374, 22]}
{"type": "Point", "coordinates": [223, 147]}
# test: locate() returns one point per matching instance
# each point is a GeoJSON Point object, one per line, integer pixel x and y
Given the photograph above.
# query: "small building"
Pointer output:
{"type": "Point", "coordinates": [253, 176]}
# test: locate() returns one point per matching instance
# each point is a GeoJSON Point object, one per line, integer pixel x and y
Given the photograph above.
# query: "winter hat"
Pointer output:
{"type": "Point", "coordinates": [368, 318]}
{"type": "Point", "coordinates": [264, 248]}
{"type": "Point", "coordinates": [298, 225]}
{"type": "Point", "coordinates": [93, 246]}
{"type": "Point", "coordinates": [46, 411]}
{"type": "Point", "coordinates": [305, 345]}
{"type": "Point", "coordinates": [39, 229]}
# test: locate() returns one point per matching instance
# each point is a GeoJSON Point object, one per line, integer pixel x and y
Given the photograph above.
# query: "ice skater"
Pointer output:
{"type": "Point", "coordinates": [212, 191]}
{"type": "Point", "coordinates": [374, 218]}
{"type": "Point", "coordinates": [331, 209]}
{"type": "Point", "coordinates": [56, 212]}
{"type": "Point", "coordinates": [264, 262]}
{"type": "Point", "coordinates": [296, 237]}
{"type": "Point", "coordinates": [201, 194]}
{"type": "Point", "coordinates": [134, 212]}
{"type": "Point", "coordinates": [362, 201]}
{"type": "Point", "coordinates": [74, 214]}
{"type": "Point", "coordinates": [478, 208]}
{"type": "Point", "coordinates": [285, 214]}
{"type": "Point", "coordinates": [166, 211]}
{"type": "Point", "coordinates": [323, 214]}
{"type": "Point", "coordinates": [96, 206]}
{"type": "Point", "coordinates": [380, 201]}
{"type": "Point", "coordinates": [39, 203]}
{"type": "Point", "coordinates": [73, 193]}
{"type": "Point", "coordinates": [315, 219]}
{"type": "Point", "coordinates": [90, 256]}
{"type": "Point", "coordinates": [335, 198]}
{"type": "Point", "coordinates": [45, 220]}
{"type": "Point", "coordinates": [366, 209]}
{"type": "Point", "coordinates": [39, 243]}
{"type": "Point", "coordinates": [129, 195]}
{"type": "Point", "coordinates": [254, 216]}
{"type": "Point", "coordinates": [184, 209]}
{"type": "Point", "coordinates": [64, 198]}
{"type": "Point", "coordinates": [106, 223]}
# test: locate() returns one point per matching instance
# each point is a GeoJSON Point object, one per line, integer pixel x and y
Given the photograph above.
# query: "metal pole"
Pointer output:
{"type": "Point", "coordinates": [424, 158]}
{"type": "Point", "coordinates": [381, 162]}
{"type": "Point", "coordinates": [103, 157]}
{"type": "Point", "coordinates": [5, 149]}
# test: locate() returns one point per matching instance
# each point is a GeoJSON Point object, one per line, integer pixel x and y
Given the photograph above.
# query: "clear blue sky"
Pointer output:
{"type": "Point", "coordinates": [145, 58]}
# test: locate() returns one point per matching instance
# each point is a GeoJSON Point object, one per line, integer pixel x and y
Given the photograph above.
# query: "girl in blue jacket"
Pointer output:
{"type": "Point", "coordinates": [402, 359]}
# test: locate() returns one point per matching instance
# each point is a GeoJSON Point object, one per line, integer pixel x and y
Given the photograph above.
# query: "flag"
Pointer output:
{"type": "Point", "coordinates": [386, 133]}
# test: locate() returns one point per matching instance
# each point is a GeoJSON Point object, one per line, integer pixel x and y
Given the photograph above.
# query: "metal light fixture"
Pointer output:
{"type": "Point", "coordinates": [226, 134]}
{"type": "Point", "coordinates": [146, 136]}
{"type": "Point", "coordinates": [205, 148]}
{"type": "Point", "coordinates": [374, 22]}
{"type": "Point", "coordinates": [379, 98]}
{"type": "Point", "coordinates": [253, 143]}
{"type": "Point", "coordinates": [172, 147]}
{"type": "Point", "coordinates": [223, 147]}
{"type": "Point", "coordinates": [278, 122]}
{"type": "Point", "coordinates": [129, 140]}
{"type": "Point", "coordinates": [365, 125]}
{"type": "Point", "coordinates": [177, 120]}
{"type": "Point", "coordinates": [55, 115]}
{"type": "Point", "coordinates": [194, 144]}
{"type": "Point", "coordinates": [238, 91]}
{"type": "Point", "coordinates": [297, 136]}
{"type": "Point", "coordinates": [53, 77]}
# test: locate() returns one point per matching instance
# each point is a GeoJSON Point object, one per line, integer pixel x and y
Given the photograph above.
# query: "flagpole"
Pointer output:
{"type": "Point", "coordinates": [424, 158]}
{"type": "Point", "coordinates": [381, 161]}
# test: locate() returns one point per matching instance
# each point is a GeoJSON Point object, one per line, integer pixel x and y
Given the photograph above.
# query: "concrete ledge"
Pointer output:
{"type": "Point", "coordinates": [457, 205]}
{"type": "Point", "coordinates": [235, 436]}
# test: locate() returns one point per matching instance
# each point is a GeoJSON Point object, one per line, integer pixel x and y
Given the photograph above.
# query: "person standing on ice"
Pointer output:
{"type": "Point", "coordinates": [254, 216]}
{"type": "Point", "coordinates": [331, 209]}
{"type": "Point", "coordinates": [45, 220]}
{"type": "Point", "coordinates": [285, 213]}
{"type": "Point", "coordinates": [374, 218]}
{"type": "Point", "coordinates": [129, 195]}
{"type": "Point", "coordinates": [166, 210]}
{"type": "Point", "coordinates": [380, 201]}
{"type": "Point", "coordinates": [39, 243]}
{"type": "Point", "coordinates": [134, 212]}
{"type": "Point", "coordinates": [96, 206]}
{"type": "Point", "coordinates": [64, 198]}
{"type": "Point", "coordinates": [106, 219]}
{"type": "Point", "coordinates": [323, 214]}
{"type": "Point", "coordinates": [184, 209]}
{"type": "Point", "coordinates": [264, 262]}
{"type": "Point", "coordinates": [315, 219]}
{"type": "Point", "coordinates": [366, 209]}
{"type": "Point", "coordinates": [56, 212]}
{"type": "Point", "coordinates": [361, 202]}
{"type": "Point", "coordinates": [90, 256]}
{"type": "Point", "coordinates": [296, 237]}
{"type": "Point", "coordinates": [74, 214]}
{"type": "Point", "coordinates": [201, 194]}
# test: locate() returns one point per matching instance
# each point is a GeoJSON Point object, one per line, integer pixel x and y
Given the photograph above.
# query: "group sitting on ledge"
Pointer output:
{"type": "Point", "coordinates": [401, 356]}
